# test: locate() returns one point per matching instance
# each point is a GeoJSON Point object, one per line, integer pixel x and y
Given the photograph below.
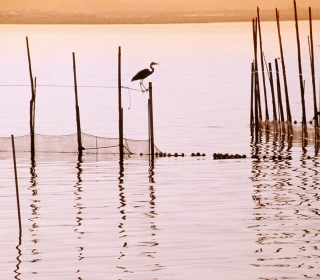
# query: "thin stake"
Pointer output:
{"type": "Point", "coordinates": [16, 180]}
{"type": "Point", "coordinates": [257, 89]}
{"type": "Point", "coordinates": [289, 118]}
{"type": "Point", "coordinates": [120, 106]}
{"type": "Point", "coordinates": [80, 148]}
{"type": "Point", "coordinates": [32, 104]}
{"type": "Point", "coordinates": [304, 121]}
{"type": "Point", "coordinates": [272, 93]}
{"type": "Point", "coordinates": [262, 67]}
{"type": "Point", "coordinates": [252, 94]}
{"type": "Point", "coordinates": [281, 115]}
{"type": "Point", "coordinates": [151, 122]}
{"type": "Point", "coordinates": [313, 73]}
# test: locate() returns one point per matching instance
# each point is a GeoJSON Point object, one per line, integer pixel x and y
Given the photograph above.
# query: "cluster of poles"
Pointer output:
{"type": "Point", "coordinates": [281, 121]}
{"type": "Point", "coordinates": [122, 148]}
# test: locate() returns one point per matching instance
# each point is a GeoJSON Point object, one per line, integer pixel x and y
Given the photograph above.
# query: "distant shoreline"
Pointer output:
{"type": "Point", "coordinates": [35, 17]}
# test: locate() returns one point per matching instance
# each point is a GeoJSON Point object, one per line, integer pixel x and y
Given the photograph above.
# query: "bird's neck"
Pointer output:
{"type": "Point", "coordinates": [151, 66]}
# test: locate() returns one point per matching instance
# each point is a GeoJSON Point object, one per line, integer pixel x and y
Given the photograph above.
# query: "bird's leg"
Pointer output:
{"type": "Point", "coordinates": [144, 86]}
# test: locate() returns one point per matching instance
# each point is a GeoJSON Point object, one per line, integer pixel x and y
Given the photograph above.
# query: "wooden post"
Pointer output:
{"type": "Point", "coordinates": [281, 115]}
{"type": "Point", "coordinates": [313, 75]}
{"type": "Point", "coordinates": [289, 117]}
{"type": "Point", "coordinates": [274, 108]}
{"type": "Point", "coordinates": [80, 148]}
{"type": "Point", "coordinates": [16, 181]}
{"type": "Point", "coordinates": [257, 88]}
{"type": "Point", "coordinates": [304, 121]}
{"type": "Point", "coordinates": [32, 104]}
{"type": "Point", "coordinates": [151, 122]}
{"type": "Point", "coordinates": [120, 107]}
{"type": "Point", "coordinates": [262, 67]}
{"type": "Point", "coordinates": [252, 97]}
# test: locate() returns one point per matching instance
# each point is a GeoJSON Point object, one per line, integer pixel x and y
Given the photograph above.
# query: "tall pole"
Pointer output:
{"type": "Point", "coordinates": [289, 118]}
{"type": "Point", "coordinates": [80, 148]}
{"type": "Point", "coordinates": [304, 121]}
{"type": "Point", "coordinates": [257, 89]}
{"type": "Point", "coordinates": [262, 67]}
{"type": "Point", "coordinates": [120, 107]}
{"type": "Point", "coordinates": [281, 115]}
{"type": "Point", "coordinates": [274, 108]}
{"type": "Point", "coordinates": [313, 72]}
{"type": "Point", "coordinates": [151, 122]}
{"type": "Point", "coordinates": [32, 104]}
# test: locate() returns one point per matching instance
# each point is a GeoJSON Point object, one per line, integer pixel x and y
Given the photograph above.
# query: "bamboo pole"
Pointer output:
{"type": "Point", "coordinates": [120, 106]}
{"type": "Point", "coordinates": [151, 122]}
{"type": "Point", "coordinates": [252, 97]}
{"type": "Point", "coordinates": [257, 88]}
{"type": "Point", "coordinates": [289, 117]}
{"type": "Point", "coordinates": [274, 108]}
{"type": "Point", "coordinates": [16, 181]}
{"type": "Point", "coordinates": [32, 104]}
{"type": "Point", "coordinates": [281, 115]}
{"type": "Point", "coordinates": [313, 74]}
{"type": "Point", "coordinates": [304, 121]}
{"type": "Point", "coordinates": [80, 148]}
{"type": "Point", "coordinates": [262, 67]}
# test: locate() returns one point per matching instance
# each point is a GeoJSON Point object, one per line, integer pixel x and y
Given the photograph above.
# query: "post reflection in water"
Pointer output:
{"type": "Point", "coordinates": [287, 211]}
{"type": "Point", "coordinates": [122, 199]}
{"type": "Point", "coordinates": [79, 206]}
{"type": "Point", "coordinates": [35, 215]}
{"type": "Point", "coordinates": [137, 227]}
{"type": "Point", "coordinates": [16, 271]}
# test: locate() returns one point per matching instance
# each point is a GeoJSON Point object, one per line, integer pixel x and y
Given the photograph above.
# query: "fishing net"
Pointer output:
{"type": "Point", "coordinates": [296, 132]}
{"type": "Point", "coordinates": [69, 144]}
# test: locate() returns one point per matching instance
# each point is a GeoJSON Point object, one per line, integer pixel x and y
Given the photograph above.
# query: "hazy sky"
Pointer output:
{"type": "Point", "coordinates": [150, 5]}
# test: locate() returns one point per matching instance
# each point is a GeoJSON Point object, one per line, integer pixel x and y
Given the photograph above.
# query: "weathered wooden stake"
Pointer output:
{"type": "Point", "coordinates": [151, 140]}
{"type": "Point", "coordinates": [281, 115]}
{"type": "Point", "coordinates": [304, 121]}
{"type": "Point", "coordinates": [252, 97]}
{"type": "Point", "coordinates": [32, 105]}
{"type": "Point", "coordinates": [313, 75]}
{"type": "Point", "coordinates": [80, 148]}
{"type": "Point", "coordinates": [289, 118]}
{"type": "Point", "coordinates": [262, 67]}
{"type": "Point", "coordinates": [16, 181]}
{"type": "Point", "coordinates": [274, 108]}
{"type": "Point", "coordinates": [120, 107]}
{"type": "Point", "coordinates": [257, 87]}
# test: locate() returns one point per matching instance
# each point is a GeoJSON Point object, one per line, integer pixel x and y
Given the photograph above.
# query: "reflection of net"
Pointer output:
{"type": "Point", "coordinates": [69, 144]}
{"type": "Point", "coordinates": [295, 131]}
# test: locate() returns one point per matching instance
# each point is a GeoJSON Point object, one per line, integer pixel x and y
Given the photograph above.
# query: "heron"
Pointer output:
{"type": "Point", "coordinates": [141, 75]}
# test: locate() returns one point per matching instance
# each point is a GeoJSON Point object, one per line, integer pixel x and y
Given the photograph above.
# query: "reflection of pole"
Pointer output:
{"type": "Point", "coordinates": [151, 140]}
{"type": "Point", "coordinates": [77, 107]}
{"type": "Point", "coordinates": [120, 107]}
{"type": "Point", "coordinates": [16, 180]}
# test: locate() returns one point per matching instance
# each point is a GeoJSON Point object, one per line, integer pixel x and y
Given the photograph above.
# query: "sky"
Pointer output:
{"type": "Point", "coordinates": [94, 6]}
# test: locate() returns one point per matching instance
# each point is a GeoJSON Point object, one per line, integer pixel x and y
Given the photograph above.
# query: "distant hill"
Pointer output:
{"type": "Point", "coordinates": [149, 11]}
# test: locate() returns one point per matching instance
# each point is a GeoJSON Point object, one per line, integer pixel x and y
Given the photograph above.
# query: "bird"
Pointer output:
{"type": "Point", "coordinates": [141, 75]}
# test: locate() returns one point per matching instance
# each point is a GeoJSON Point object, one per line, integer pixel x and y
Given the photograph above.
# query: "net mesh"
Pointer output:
{"type": "Point", "coordinates": [69, 144]}
{"type": "Point", "coordinates": [297, 132]}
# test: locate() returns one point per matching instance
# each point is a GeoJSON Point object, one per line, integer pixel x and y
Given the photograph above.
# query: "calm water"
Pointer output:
{"type": "Point", "coordinates": [179, 218]}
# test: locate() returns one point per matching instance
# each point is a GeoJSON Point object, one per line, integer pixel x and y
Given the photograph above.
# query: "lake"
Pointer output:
{"type": "Point", "coordinates": [179, 217]}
